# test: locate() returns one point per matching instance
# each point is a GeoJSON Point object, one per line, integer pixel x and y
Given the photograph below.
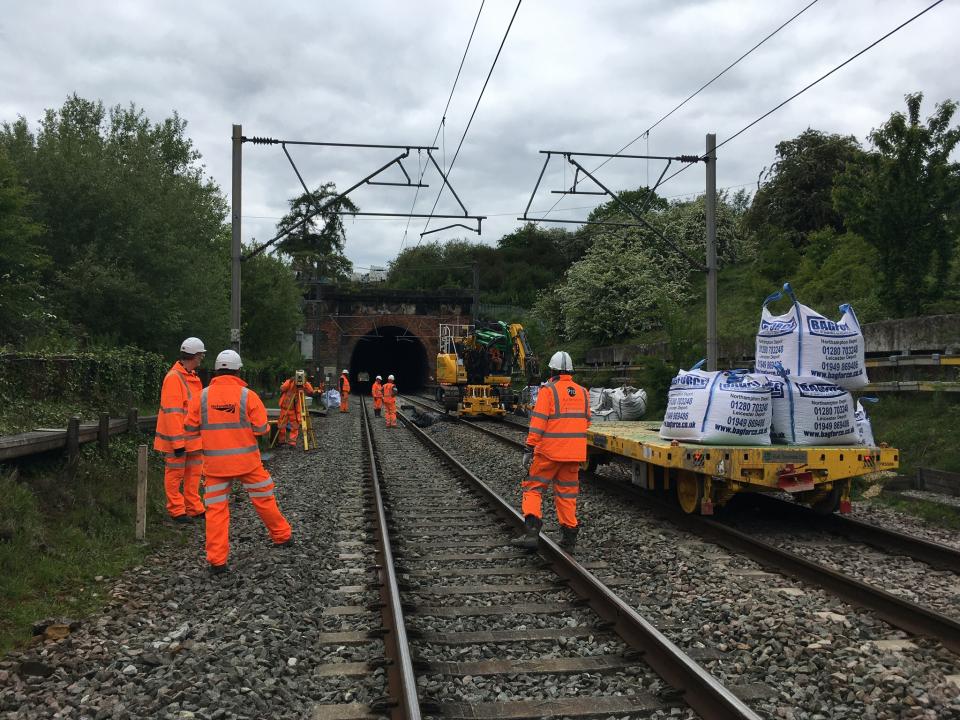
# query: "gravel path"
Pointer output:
{"type": "Point", "coordinates": [819, 657]}
{"type": "Point", "coordinates": [175, 643]}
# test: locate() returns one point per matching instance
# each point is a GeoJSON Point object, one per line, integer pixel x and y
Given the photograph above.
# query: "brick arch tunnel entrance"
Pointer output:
{"type": "Point", "coordinates": [387, 351]}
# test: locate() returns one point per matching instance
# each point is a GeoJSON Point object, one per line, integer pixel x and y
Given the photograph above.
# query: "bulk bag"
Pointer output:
{"type": "Point", "coordinates": [332, 398]}
{"type": "Point", "coordinates": [630, 403]}
{"type": "Point", "coordinates": [809, 345]}
{"type": "Point", "coordinates": [864, 428]}
{"type": "Point", "coordinates": [812, 411]}
{"type": "Point", "coordinates": [718, 408]}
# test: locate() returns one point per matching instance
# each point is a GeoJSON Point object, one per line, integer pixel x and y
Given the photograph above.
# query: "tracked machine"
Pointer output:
{"type": "Point", "coordinates": [477, 364]}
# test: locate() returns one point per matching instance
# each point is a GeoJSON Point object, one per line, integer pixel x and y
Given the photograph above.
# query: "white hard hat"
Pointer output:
{"type": "Point", "coordinates": [389, 377]}
{"type": "Point", "coordinates": [228, 360]}
{"type": "Point", "coordinates": [379, 378]}
{"type": "Point", "coordinates": [561, 361]}
{"type": "Point", "coordinates": [345, 372]}
{"type": "Point", "coordinates": [192, 346]}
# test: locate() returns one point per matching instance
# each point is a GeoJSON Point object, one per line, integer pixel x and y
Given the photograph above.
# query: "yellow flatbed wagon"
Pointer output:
{"type": "Point", "coordinates": [702, 477]}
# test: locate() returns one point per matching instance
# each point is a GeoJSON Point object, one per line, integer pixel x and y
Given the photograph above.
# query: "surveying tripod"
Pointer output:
{"type": "Point", "coordinates": [306, 426]}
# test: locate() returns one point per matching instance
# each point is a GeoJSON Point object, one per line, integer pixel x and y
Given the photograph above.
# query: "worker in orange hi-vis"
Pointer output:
{"type": "Point", "coordinates": [390, 402]}
{"type": "Point", "coordinates": [377, 391]}
{"type": "Point", "coordinates": [556, 445]}
{"type": "Point", "coordinates": [181, 449]}
{"type": "Point", "coordinates": [345, 391]}
{"type": "Point", "coordinates": [291, 414]}
{"type": "Point", "coordinates": [229, 416]}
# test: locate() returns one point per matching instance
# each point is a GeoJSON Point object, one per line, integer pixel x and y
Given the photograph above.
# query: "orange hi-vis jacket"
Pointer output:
{"type": "Point", "coordinates": [559, 421]}
{"type": "Point", "coordinates": [389, 393]}
{"type": "Point", "coordinates": [344, 385]}
{"type": "Point", "coordinates": [181, 389]}
{"type": "Point", "coordinates": [229, 416]}
{"type": "Point", "coordinates": [288, 397]}
{"type": "Point", "coordinates": [377, 390]}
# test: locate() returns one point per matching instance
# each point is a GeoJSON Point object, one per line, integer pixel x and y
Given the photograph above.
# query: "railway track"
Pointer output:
{"type": "Point", "coordinates": [463, 612]}
{"type": "Point", "coordinates": [899, 611]}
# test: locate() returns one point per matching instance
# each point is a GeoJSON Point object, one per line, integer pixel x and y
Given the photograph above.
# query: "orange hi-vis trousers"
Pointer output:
{"type": "Point", "coordinates": [288, 430]}
{"type": "Point", "coordinates": [565, 478]}
{"type": "Point", "coordinates": [390, 411]}
{"type": "Point", "coordinates": [344, 402]}
{"type": "Point", "coordinates": [260, 490]}
{"type": "Point", "coordinates": [184, 470]}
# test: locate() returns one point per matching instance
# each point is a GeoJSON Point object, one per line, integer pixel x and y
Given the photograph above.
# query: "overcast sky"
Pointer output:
{"type": "Point", "coordinates": [573, 75]}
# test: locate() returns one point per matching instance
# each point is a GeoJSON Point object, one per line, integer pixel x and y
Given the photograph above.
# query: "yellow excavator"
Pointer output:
{"type": "Point", "coordinates": [476, 367]}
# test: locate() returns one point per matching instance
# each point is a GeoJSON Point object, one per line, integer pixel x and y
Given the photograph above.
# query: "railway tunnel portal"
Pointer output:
{"type": "Point", "coordinates": [373, 331]}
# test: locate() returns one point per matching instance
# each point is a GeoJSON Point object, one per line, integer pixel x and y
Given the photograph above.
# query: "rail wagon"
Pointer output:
{"type": "Point", "coordinates": [703, 477]}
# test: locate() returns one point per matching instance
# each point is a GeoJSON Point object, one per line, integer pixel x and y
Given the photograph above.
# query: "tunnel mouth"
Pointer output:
{"type": "Point", "coordinates": [387, 351]}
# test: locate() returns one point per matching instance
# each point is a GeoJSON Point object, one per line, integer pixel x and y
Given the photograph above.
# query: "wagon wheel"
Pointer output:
{"type": "Point", "coordinates": [689, 491]}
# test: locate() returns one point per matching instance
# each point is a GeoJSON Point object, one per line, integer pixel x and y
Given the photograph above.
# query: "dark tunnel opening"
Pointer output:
{"type": "Point", "coordinates": [389, 351]}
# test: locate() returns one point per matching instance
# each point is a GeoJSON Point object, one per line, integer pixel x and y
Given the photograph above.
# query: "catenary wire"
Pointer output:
{"type": "Point", "coordinates": [472, 115]}
{"type": "Point", "coordinates": [443, 118]}
{"type": "Point", "coordinates": [695, 93]}
{"type": "Point", "coordinates": [800, 92]}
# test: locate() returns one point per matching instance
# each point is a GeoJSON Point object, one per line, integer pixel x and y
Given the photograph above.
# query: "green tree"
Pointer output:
{"type": "Point", "coordinates": [134, 230]}
{"type": "Point", "coordinates": [315, 247]}
{"type": "Point", "coordinates": [795, 196]}
{"type": "Point", "coordinates": [21, 259]}
{"type": "Point", "coordinates": [904, 200]}
{"type": "Point", "coordinates": [271, 307]}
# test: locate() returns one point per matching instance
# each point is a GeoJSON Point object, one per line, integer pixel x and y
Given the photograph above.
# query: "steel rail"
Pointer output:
{"type": "Point", "coordinates": [401, 679]}
{"type": "Point", "coordinates": [699, 689]}
{"type": "Point", "coordinates": [898, 611]}
{"type": "Point", "coordinates": [932, 553]}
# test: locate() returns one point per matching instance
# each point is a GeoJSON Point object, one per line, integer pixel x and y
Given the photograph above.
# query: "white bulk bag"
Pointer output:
{"type": "Point", "coordinates": [718, 408]}
{"type": "Point", "coordinates": [332, 398]}
{"type": "Point", "coordinates": [598, 399]}
{"type": "Point", "coordinates": [812, 411]}
{"type": "Point", "coordinates": [809, 345]}
{"type": "Point", "coordinates": [629, 403]}
{"type": "Point", "coordinates": [864, 428]}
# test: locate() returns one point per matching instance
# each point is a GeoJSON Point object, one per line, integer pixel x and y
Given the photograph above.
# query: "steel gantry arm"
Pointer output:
{"type": "Point", "coordinates": [367, 180]}
{"type": "Point", "coordinates": [604, 190]}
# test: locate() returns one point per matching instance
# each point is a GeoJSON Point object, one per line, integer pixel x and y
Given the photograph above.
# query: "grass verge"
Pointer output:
{"type": "Point", "coordinates": [937, 514]}
{"type": "Point", "coordinates": [57, 535]}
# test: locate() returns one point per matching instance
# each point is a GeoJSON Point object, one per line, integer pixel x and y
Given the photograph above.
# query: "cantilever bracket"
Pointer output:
{"type": "Point", "coordinates": [637, 214]}
{"type": "Point", "coordinates": [368, 180]}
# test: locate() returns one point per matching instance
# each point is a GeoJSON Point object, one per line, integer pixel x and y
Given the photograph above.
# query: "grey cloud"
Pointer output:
{"type": "Point", "coordinates": [573, 75]}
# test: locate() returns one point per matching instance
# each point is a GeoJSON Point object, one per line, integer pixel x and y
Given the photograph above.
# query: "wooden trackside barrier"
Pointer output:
{"type": "Point", "coordinates": [103, 434]}
{"type": "Point", "coordinates": [44, 440]}
{"type": "Point", "coordinates": [73, 446]}
{"type": "Point", "coordinates": [141, 531]}
{"type": "Point", "coordinates": [938, 481]}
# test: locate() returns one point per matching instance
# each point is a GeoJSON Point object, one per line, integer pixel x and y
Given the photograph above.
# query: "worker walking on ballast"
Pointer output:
{"type": "Point", "coordinates": [390, 393]}
{"type": "Point", "coordinates": [229, 416]}
{"type": "Point", "coordinates": [181, 449]}
{"type": "Point", "coordinates": [345, 391]}
{"type": "Point", "coordinates": [377, 391]}
{"type": "Point", "coordinates": [556, 445]}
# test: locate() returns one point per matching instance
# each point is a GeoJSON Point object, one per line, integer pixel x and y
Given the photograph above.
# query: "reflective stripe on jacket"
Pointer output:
{"type": "Point", "coordinates": [288, 399]}
{"type": "Point", "coordinates": [559, 421]}
{"type": "Point", "coordinates": [229, 416]}
{"type": "Point", "coordinates": [390, 393]}
{"type": "Point", "coordinates": [180, 390]}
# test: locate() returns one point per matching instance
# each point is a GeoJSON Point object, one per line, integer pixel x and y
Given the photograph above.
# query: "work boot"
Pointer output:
{"type": "Point", "coordinates": [199, 516]}
{"type": "Point", "coordinates": [568, 538]}
{"type": "Point", "coordinates": [218, 570]}
{"type": "Point", "coordinates": [529, 540]}
{"type": "Point", "coordinates": [284, 544]}
{"type": "Point", "coordinates": [181, 519]}
{"type": "Point", "coordinates": [376, 413]}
